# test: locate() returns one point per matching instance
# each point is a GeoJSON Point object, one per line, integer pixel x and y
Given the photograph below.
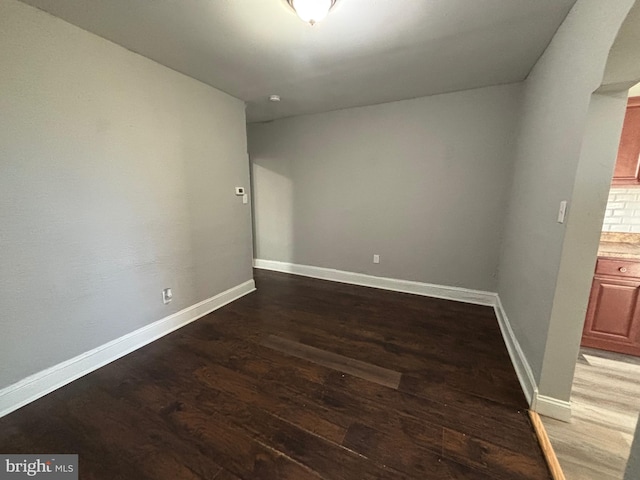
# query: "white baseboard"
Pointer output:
{"type": "Point", "coordinates": [552, 407]}
{"type": "Point", "coordinates": [518, 358]}
{"type": "Point", "coordinates": [547, 406]}
{"type": "Point", "coordinates": [37, 385]}
{"type": "Point", "coordinates": [477, 297]}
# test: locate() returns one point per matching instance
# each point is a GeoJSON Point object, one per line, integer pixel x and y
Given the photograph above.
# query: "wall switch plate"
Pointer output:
{"type": "Point", "coordinates": [562, 212]}
{"type": "Point", "coordinates": [239, 191]}
{"type": "Point", "coordinates": [376, 259]}
{"type": "Point", "coordinates": [245, 198]}
{"type": "Point", "coordinates": [167, 295]}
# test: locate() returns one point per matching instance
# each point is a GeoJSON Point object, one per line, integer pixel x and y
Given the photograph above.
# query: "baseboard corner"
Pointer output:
{"type": "Point", "coordinates": [552, 407]}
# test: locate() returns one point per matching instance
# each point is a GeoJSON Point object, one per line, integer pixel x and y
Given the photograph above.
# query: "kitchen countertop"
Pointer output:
{"type": "Point", "coordinates": [620, 245]}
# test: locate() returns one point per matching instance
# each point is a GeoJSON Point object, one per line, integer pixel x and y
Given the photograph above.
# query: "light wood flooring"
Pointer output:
{"type": "Point", "coordinates": [605, 406]}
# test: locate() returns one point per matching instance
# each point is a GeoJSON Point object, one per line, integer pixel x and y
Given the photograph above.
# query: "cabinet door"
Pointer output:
{"type": "Point", "coordinates": [613, 315]}
{"type": "Point", "coordinates": [626, 171]}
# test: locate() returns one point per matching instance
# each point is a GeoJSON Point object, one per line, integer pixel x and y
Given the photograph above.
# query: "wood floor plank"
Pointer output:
{"type": "Point", "coordinates": [384, 417]}
{"type": "Point", "coordinates": [295, 409]}
{"type": "Point", "coordinates": [373, 373]}
{"type": "Point", "coordinates": [366, 400]}
{"type": "Point", "coordinates": [411, 347]}
{"type": "Point", "coordinates": [501, 462]}
{"type": "Point", "coordinates": [414, 388]}
{"type": "Point", "coordinates": [401, 453]}
{"type": "Point", "coordinates": [484, 373]}
{"type": "Point", "coordinates": [226, 475]}
{"type": "Point", "coordinates": [214, 383]}
{"type": "Point", "coordinates": [477, 376]}
{"type": "Point", "coordinates": [268, 364]}
{"type": "Point", "coordinates": [220, 437]}
{"type": "Point", "coordinates": [237, 352]}
{"type": "Point", "coordinates": [159, 454]}
{"type": "Point", "coordinates": [48, 426]}
{"type": "Point", "coordinates": [469, 415]}
{"type": "Point", "coordinates": [327, 459]}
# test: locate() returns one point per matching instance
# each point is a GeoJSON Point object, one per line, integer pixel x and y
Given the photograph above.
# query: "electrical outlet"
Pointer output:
{"type": "Point", "coordinates": [167, 295]}
{"type": "Point", "coordinates": [376, 259]}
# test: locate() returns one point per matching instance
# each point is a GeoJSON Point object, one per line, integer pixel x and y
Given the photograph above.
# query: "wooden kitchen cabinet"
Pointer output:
{"type": "Point", "coordinates": [627, 170]}
{"type": "Point", "coordinates": [613, 315]}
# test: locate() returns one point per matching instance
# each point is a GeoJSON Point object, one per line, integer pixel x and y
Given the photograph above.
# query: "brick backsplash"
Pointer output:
{"type": "Point", "coordinates": [623, 211]}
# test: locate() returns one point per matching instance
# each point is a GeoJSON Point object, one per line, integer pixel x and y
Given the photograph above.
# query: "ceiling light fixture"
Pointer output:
{"type": "Point", "coordinates": [312, 11]}
{"type": "Point", "coordinates": [274, 98]}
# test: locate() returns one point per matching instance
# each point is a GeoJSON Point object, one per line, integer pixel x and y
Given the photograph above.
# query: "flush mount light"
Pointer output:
{"type": "Point", "coordinates": [274, 98]}
{"type": "Point", "coordinates": [312, 11]}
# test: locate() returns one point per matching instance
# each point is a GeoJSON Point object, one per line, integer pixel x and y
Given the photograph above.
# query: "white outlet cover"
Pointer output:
{"type": "Point", "coordinates": [562, 211]}
{"type": "Point", "coordinates": [167, 295]}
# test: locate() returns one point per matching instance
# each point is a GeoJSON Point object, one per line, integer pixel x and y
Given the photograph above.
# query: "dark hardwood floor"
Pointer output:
{"type": "Point", "coordinates": [303, 379]}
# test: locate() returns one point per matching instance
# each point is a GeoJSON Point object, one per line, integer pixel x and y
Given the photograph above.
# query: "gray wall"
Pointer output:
{"type": "Point", "coordinates": [582, 237]}
{"type": "Point", "coordinates": [557, 94]}
{"type": "Point", "coordinates": [421, 182]}
{"type": "Point", "coordinates": [632, 471]}
{"type": "Point", "coordinates": [116, 180]}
